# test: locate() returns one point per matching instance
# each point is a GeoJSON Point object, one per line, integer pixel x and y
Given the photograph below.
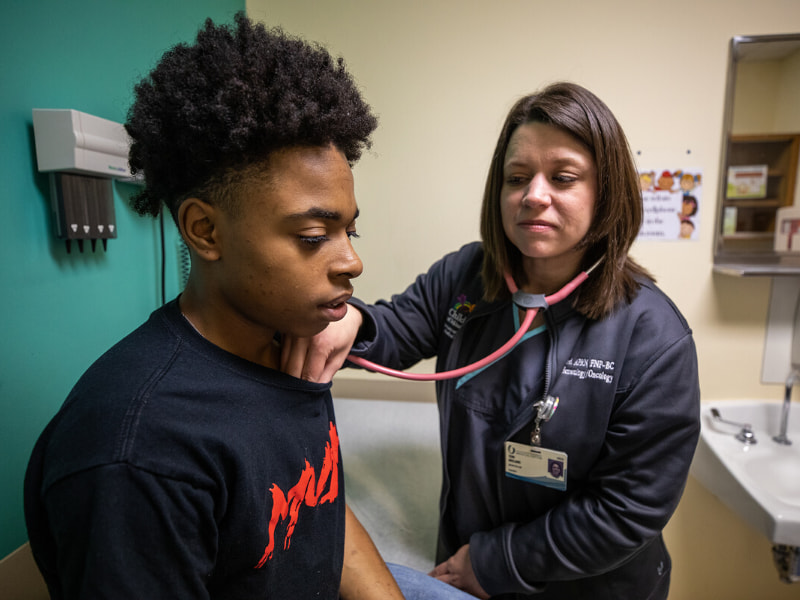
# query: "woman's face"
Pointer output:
{"type": "Point", "coordinates": [548, 198]}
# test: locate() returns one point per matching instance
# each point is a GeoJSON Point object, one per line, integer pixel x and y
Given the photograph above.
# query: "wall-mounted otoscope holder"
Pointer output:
{"type": "Point", "coordinates": [83, 209]}
{"type": "Point", "coordinates": [82, 153]}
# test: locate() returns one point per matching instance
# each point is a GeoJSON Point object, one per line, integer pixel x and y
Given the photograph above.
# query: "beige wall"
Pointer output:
{"type": "Point", "coordinates": [787, 108]}
{"type": "Point", "coordinates": [756, 96]}
{"type": "Point", "coordinates": [766, 96]}
{"type": "Point", "coordinates": [442, 74]}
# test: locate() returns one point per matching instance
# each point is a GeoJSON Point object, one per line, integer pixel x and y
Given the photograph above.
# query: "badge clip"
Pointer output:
{"type": "Point", "coordinates": [545, 409]}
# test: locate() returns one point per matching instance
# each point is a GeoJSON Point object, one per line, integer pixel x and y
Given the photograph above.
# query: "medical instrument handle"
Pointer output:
{"type": "Point", "coordinates": [530, 315]}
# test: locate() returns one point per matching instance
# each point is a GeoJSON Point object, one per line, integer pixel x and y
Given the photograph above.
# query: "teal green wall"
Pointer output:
{"type": "Point", "coordinates": [59, 311]}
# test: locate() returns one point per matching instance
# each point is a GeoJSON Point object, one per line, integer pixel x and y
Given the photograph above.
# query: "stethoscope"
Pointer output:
{"type": "Point", "coordinates": [531, 303]}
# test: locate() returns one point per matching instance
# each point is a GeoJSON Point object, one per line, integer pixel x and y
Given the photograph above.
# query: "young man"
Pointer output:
{"type": "Point", "coordinates": [183, 464]}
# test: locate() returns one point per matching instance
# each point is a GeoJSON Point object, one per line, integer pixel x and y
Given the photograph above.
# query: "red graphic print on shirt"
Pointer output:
{"type": "Point", "coordinates": [307, 491]}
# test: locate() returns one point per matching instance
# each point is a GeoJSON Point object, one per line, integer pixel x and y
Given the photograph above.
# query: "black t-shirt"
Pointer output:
{"type": "Point", "coordinates": [178, 470]}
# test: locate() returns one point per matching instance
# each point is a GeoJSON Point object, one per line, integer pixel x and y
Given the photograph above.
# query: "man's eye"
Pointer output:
{"type": "Point", "coordinates": [312, 240]}
{"type": "Point", "coordinates": [353, 235]}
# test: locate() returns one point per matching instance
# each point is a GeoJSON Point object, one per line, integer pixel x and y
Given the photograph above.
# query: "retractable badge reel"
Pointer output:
{"type": "Point", "coordinates": [545, 409]}
{"type": "Point", "coordinates": [535, 464]}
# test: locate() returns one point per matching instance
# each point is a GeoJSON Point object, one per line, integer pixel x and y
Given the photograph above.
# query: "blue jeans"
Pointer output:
{"type": "Point", "coordinates": [417, 585]}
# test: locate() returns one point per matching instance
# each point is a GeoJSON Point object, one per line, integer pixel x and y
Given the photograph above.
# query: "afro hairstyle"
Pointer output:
{"type": "Point", "coordinates": [228, 101]}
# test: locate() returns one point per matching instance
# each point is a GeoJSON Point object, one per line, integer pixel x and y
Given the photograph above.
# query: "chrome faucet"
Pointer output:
{"type": "Point", "coordinates": [745, 435]}
{"type": "Point", "coordinates": [781, 438]}
{"type": "Point", "coordinates": [794, 377]}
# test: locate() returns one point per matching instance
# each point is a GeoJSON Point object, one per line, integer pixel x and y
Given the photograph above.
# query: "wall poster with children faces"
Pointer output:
{"type": "Point", "coordinates": [671, 204]}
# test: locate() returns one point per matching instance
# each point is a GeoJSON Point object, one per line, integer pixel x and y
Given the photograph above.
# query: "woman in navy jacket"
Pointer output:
{"type": "Point", "coordinates": [581, 515]}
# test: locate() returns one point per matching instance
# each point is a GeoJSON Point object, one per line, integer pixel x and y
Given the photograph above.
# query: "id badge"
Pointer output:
{"type": "Point", "coordinates": [536, 465]}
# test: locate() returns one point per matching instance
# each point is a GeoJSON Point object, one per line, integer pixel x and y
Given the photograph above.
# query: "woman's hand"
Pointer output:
{"type": "Point", "coordinates": [457, 571]}
{"type": "Point", "coordinates": [318, 358]}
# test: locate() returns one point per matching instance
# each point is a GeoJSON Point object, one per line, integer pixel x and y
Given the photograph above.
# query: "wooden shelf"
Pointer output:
{"type": "Point", "coordinates": [753, 202]}
{"type": "Point", "coordinates": [750, 222]}
{"type": "Point", "coordinates": [748, 235]}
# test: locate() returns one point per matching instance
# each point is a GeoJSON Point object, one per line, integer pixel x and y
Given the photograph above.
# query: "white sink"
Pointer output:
{"type": "Point", "coordinates": [761, 481]}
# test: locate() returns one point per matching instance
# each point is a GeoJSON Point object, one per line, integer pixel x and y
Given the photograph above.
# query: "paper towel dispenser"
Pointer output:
{"type": "Point", "coordinates": [82, 153]}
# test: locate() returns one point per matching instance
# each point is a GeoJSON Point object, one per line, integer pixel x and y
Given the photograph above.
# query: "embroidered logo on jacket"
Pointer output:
{"type": "Point", "coordinates": [592, 368]}
{"type": "Point", "coordinates": [457, 315]}
{"type": "Point", "coordinates": [306, 492]}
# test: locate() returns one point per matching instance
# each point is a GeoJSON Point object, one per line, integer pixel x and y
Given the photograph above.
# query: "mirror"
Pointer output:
{"type": "Point", "coordinates": [758, 217]}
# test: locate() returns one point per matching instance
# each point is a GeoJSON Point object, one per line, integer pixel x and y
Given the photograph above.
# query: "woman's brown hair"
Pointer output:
{"type": "Point", "coordinates": [618, 207]}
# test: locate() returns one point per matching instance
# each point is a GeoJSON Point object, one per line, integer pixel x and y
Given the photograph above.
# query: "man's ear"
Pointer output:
{"type": "Point", "coordinates": [197, 221]}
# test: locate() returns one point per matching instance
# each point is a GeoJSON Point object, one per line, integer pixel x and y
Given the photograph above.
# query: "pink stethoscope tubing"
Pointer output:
{"type": "Point", "coordinates": [530, 315]}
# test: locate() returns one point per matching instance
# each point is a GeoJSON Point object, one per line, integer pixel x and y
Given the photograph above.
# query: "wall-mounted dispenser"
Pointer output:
{"type": "Point", "coordinates": [82, 153]}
